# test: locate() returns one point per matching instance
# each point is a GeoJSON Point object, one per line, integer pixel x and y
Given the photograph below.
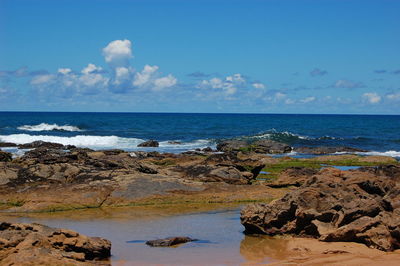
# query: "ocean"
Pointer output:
{"type": "Point", "coordinates": [379, 134]}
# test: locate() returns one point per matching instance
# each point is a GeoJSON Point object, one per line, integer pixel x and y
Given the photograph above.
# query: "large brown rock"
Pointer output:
{"type": "Point", "coordinates": [334, 205]}
{"type": "Point", "coordinates": [35, 244]}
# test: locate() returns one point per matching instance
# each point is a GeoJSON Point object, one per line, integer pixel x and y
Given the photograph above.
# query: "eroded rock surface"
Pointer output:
{"type": "Point", "coordinates": [259, 146]}
{"type": "Point", "coordinates": [333, 205]}
{"type": "Point", "coordinates": [35, 244]}
{"type": "Point", "coordinates": [170, 241]}
{"type": "Point", "coordinates": [326, 150]}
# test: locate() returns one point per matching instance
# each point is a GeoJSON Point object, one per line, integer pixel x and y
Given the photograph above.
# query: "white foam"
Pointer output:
{"type": "Point", "coordinates": [104, 142]}
{"type": "Point", "coordinates": [94, 142]}
{"type": "Point", "coordinates": [49, 127]}
{"type": "Point", "coordinates": [395, 154]}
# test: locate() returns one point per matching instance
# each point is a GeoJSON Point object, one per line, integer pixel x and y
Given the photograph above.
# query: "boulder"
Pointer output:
{"type": "Point", "coordinates": [170, 241]}
{"type": "Point", "coordinates": [149, 143]}
{"type": "Point", "coordinates": [5, 156]}
{"type": "Point", "coordinates": [35, 244]}
{"type": "Point", "coordinates": [334, 205]}
{"type": "Point", "coordinates": [326, 150]}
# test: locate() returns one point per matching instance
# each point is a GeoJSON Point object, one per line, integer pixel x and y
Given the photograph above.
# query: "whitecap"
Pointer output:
{"type": "Point", "coordinates": [49, 127]}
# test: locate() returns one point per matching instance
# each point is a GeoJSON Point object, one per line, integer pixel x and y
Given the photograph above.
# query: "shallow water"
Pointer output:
{"type": "Point", "coordinates": [222, 241]}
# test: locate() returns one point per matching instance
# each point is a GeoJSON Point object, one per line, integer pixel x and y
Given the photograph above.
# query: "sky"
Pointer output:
{"type": "Point", "coordinates": [248, 56]}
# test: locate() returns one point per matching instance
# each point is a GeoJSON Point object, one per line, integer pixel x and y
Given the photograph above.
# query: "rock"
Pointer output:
{"type": "Point", "coordinates": [270, 146]}
{"type": "Point", "coordinates": [391, 171]}
{"type": "Point", "coordinates": [334, 205]}
{"type": "Point", "coordinates": [42, 245]}
{"type": "Point", "coordinates": [170, 241]}
{"type": "Point", "coordinates": [326, 150]}
{"type": "Point", "coordinates": [259, 146]}
{"type": "Point", "coordinates": [207, 149]}
{"type": "Point", "coordinates": [5, 156]}
{"type": "Point", "coordinates": [174, 142]}
{"type": "Point", "coordinates": [209, 173]}
{"type": "Point", "coordinates": [44, 144]}
{"type": "Point", "coordinates": [149, 143]}
{"type": "Point", "coordinates": [231, 145]}
{"type": "Point", "coordinates": [293, 176]}
{"type": "Point", "coordinates": [7, 144]}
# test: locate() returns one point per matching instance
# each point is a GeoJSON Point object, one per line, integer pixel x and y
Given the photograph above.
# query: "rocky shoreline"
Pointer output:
{"type": "Point", "coordinates": [310, 198]}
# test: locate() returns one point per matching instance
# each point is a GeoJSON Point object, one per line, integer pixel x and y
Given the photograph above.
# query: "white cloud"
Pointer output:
{"type": "Point", "coordinates": [64, 71]}
{"type": "Point", "coordinates": [164, 82]}
{"type": "Point", "coordinates": [91, 68]}
{"type": "Point", "coordinates": [144, 77]}
{"type": "Point", "coordinates": [347, 84]}
{"type": "Point", "coordinates": [229, 85]}
{"type": "Point", "coordinates": [393, 96]}
{"type": "Point", "coordinates": [371, 97]}
{"type": "Point", "coordinates": [308, 99]}
{"type": "Point", "coordinates": [258, 85]}
{"type": "Point", "coordinates": [118, 52]}
{"type": "Point", "coordinates": [280, 95]}
{"type": "Point", "coordinates": [290, 101]}
{"type": "Point", "coordinates": [42, 79]}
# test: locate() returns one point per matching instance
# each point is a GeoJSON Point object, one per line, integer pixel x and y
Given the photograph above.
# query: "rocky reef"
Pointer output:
{"type": "Point", "coordinates": [332, 205]}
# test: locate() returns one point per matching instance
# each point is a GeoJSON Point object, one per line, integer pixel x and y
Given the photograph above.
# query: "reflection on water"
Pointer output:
{"type": "Point", "coordinates": [220, 234]}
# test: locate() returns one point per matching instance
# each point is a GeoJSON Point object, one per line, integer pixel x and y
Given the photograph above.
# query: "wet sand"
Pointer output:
{"type": "Point", "coordinates": [222, 241]}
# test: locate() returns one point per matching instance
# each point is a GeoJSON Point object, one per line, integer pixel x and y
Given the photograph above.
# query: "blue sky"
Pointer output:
{"type": "Point", "coordinates": [250, 56]}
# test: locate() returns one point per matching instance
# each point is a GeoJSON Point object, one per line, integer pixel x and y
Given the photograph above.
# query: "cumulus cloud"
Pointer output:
{"type": "Point", "coordinates": [258, 85]}
{"type": "Point", "coordinates": [229, 85]}
{"type": "Point", "coordinates": [318, 72]}
{"type": "Point", "coordinates": [347, 84]}
{"type": "Point", "coordinates": [371, 97]}
{"type": "Point", "coordinates": [118, 52]}
{"type": "Point", "coordinates": [308, 99]}
{"type": "Point", "coordinates": [393, 96]}
{"type": "Point", "coordinates": [92, 79]}
{"type": "Point", "coordinates": [42, 79]}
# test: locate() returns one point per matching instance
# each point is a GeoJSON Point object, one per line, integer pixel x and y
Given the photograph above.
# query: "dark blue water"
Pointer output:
{"type": "Point", "coordinates": [126, 130]}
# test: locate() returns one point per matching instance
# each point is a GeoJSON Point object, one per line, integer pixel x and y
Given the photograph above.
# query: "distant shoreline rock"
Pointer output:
{"type": "Point", "coordinates": [149, 143]}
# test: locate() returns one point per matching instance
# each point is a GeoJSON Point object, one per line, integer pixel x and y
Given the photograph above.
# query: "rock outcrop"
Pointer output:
{"type": "Point", "coordinates": [259, 146]}
{"type": "Point", "coordinates": [35, 244]}
{"type": "Point", "coordinates": [333, 205]}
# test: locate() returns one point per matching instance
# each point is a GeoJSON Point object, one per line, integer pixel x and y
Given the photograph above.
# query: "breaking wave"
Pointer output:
{"type": "Point", "coordinates": [103, 142]}
{"type": "Point", "coordinates": [49, 127]}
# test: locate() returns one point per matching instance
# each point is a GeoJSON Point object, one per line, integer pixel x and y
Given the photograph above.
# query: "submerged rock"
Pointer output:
{"type": "Point", "coordinates": [334, 205]}
{"type": "Point", "coordinates": [149, 143]}
{"type": "Point", "coordinates": [170, 241]}
{"type": "Point", "coordinates": [35, 244]}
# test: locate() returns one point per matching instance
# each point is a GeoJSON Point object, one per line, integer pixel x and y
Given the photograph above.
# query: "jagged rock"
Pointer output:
{"type": "Point", "coordinates": [231, 145]}
{"type": "Point", "coordinates": [293, 176]}
{"type": "Point", "coordinates": [149, 143]}
{"type": "Point", "coordinates": [35, 244]}
{"type": "Point", "coordinates": [5, 156]}
{"type": "Point", "coordinates": [334, 205]}
{"type": "Point", "coordinates": [170, 241]}
{"type": "Point", "coordinates": [174, 142]}
{"type": "Point", "coordinates": [326, 150]}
